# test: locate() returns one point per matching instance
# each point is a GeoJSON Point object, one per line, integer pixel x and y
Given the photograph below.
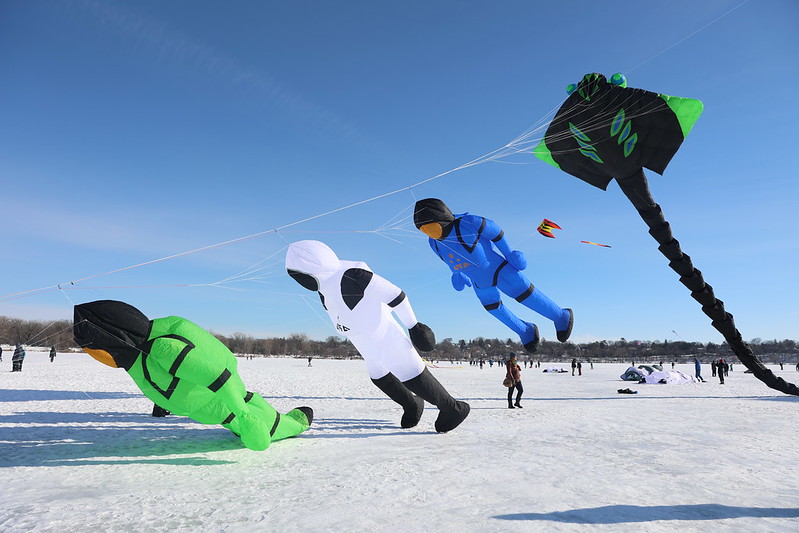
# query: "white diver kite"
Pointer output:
{"type": "Point", "coordinates": [360, 304]}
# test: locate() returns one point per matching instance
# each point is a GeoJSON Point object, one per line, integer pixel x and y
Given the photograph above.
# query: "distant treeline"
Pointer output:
{"type": "Point", "coordinates": [59, 334]}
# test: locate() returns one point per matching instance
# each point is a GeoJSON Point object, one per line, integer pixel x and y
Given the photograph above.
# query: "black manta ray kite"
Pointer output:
{"type": "Point", "coordinates": [605, 130]}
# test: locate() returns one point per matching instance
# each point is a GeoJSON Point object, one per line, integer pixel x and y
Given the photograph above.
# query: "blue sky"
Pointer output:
{"type": "Point", "coordinates": [137, 131]}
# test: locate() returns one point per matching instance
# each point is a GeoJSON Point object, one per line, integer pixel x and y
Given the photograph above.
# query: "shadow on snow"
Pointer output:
{"type": "Point", "coordinates": [338, 428]}
{"type": "Point", "coordinates": [67, 439]}
{"type": "Point", "coordinates": [623, 514]}
{"type": "Point", "coordinates": [32, 395]}
{"type": "Point", "coordinates": [114, 438]}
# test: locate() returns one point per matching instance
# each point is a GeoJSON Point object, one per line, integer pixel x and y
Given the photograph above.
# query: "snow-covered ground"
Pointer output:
{"type": "Point", "coordinates": [79, 452]}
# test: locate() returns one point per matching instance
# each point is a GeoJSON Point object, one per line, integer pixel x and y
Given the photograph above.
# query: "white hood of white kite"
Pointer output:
{"type": "Point", "coordinates": [318, 260]}
{"type": "Point", "coordinates": [312, 257]}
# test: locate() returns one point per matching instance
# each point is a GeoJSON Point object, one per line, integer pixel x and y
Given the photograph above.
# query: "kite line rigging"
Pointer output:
{"type": "Point", "coordinates": [518, 145]}
{"type": "Point", "coordinates": [524, 143]}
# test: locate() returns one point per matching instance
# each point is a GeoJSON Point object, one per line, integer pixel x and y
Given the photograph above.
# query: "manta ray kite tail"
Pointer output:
{"type": "Point", "coordinates": [636, 189]}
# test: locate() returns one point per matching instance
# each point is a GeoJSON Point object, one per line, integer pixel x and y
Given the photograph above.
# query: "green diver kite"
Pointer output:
{"type": "Point", "coordinates": [184, 369]}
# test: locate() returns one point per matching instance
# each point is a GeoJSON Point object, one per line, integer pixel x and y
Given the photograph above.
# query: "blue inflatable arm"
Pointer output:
{"type": "Point", "coordinates": [514, 257]}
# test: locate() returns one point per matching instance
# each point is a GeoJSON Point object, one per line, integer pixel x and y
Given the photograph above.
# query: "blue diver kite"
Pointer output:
{"type": "Point", "coordinates": [183, 369]}
{"type": "Point", "coordinates": [476, 251]}
{"type": "Point", "coordinates": [606, 130]}
{"type": "Point", "coordinates": [360, 305]}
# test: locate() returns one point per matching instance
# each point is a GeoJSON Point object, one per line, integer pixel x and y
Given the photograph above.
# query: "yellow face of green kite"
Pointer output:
{"type": "Point", "coordinates": [102, 356]}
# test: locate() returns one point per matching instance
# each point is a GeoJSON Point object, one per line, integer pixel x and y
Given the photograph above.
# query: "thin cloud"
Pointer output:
{"type": "Point", "coordinates": [173, 44]}
{"type": "Point", "coordinates": [115, 230]}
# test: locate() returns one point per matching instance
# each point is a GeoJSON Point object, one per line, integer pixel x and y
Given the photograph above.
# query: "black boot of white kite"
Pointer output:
{"type": "Point", "coordinates": [412, 405]}
{"type": "Point", "coordinates": [451, 411]}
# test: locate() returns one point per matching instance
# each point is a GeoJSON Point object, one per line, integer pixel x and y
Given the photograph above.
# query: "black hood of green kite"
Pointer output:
{"type": "Point", "coordinates": [113, 326]}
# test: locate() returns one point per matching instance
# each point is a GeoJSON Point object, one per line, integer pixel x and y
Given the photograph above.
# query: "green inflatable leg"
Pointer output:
{"type": "Point", "coordinates": [261, 424]}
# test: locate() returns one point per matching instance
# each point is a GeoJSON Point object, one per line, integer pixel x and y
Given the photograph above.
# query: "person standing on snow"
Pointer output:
{"type": "Point", "coordinates": [698, 369]}
{"type": "Point", "coordinates": [17, 358]}
{"type": "Point", "coordinates": [722, 367]}
{"type": "Point", "coordinates": [514, 372]}
{"type": "Point", "coordinates": [360, 304]}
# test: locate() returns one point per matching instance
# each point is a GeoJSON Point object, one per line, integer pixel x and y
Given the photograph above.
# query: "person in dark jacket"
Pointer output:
{"type": "Point", "coordinates": [722, 368]}
{"type": "Point", "coordinates": [514, 372]}
{"type": "Point", "coordinates": [17, 358]}
{"type": "Point", "coordinates": [52, 353]}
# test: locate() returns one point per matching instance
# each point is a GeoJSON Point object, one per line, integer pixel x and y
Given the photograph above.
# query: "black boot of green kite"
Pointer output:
{"type": "Point", "coordinates": [159, 411]}
{"type": "Point", "coordinates": [307, 411]}
{"type": "Point", "coordinates": [412, 405]}
{"type": "Point", "coordinates": [451, 411]}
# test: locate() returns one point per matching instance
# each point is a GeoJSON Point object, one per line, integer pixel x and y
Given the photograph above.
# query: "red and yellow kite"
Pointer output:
{"type": "Point", "coordinates": [545, 228]}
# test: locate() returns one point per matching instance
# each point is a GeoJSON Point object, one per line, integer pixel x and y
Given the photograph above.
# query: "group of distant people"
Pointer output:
{"type": "Point", "coordinates": [513, 378]}
{"type": "Point", "coordinates": [19, 356]}
{"type": "Point", "coordinates": [482, 362]}
{"type": "Point", "coordinates": [720, 368]}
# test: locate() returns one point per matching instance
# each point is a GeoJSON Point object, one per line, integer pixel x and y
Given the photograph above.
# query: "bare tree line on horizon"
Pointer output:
{"type": "Point", "coordinates": [59, 334]}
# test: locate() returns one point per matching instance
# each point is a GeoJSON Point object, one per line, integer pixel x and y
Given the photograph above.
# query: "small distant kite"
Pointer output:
{"type": "Point", "coordinates": [597, 244]}
{"type": "Point", "coordinates": [545, 228]}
